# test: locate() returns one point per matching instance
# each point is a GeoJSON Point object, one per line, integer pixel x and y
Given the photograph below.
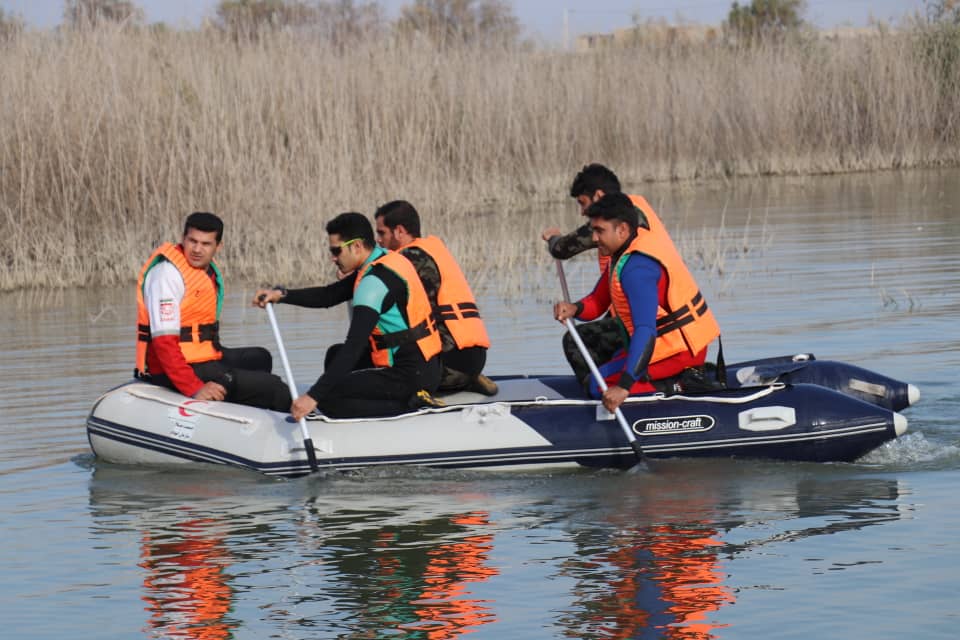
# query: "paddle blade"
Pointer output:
{"type": "Point", "coordinates": [311, 454]}
{"type": "Point", "coordinates": [641, 466]}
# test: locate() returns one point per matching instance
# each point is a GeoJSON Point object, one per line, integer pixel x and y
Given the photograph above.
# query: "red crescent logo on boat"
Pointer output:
{"type": "Point", "coordinates": [184, 412]}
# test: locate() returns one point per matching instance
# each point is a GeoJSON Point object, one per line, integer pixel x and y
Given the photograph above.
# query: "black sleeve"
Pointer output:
{"type": "Point", "coordinates": [322, 297]}
{"type": "Point", "coordinates": [362, 323]}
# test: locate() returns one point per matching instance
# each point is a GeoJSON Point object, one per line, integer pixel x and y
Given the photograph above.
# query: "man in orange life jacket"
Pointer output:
{"type": "Point", "coordinates": [179, 298]}
{"type": "Point", "coordinates": [649, 291]}
{"type": "Point", "coordinates": [604, 335]}
{"type": "Point", "coordinates": [462, 332]}
{"type": "Point", "coordinates": [389, 362]}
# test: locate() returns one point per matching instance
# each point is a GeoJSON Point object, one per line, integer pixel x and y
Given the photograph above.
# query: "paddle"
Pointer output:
{"type": "Point", "coordinates": [627, 431]}
{"type": "Point", "coordinates": [563, 280]}
{"type": "Point", "coordinates": [307, 440]}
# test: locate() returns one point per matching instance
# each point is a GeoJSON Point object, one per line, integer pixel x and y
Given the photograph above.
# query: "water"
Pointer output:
{"type": "Point", "coordinates": [857, 268]}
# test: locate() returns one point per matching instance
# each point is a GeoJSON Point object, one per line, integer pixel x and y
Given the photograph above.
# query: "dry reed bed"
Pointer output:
{"type": "Point", "coordinates": [108, 138]}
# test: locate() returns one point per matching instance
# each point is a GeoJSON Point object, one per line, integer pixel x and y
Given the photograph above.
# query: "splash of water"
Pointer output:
{"type": "Point", "coordinates": [912, 448]}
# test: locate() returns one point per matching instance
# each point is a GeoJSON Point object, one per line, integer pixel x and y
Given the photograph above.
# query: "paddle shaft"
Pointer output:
{"type": "Point", "coordinates": [563, 280]}
{"type": "Point", "coordinates": [627, 431]}
{"type": "Point", "coordinates": [572, 329]}
{"type": "Point", "coordinates": [307, 440]}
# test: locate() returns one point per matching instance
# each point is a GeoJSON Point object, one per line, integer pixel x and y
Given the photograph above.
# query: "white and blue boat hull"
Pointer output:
{"type": "Point", "coordinates": [532, 423]}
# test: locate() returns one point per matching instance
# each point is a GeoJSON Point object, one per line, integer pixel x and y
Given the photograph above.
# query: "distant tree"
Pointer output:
{"type": "Point", "coordinates": [345, 21]}
{"type": "Point", "coordinates": [245, 19]}
{"type": "Point", "coordinates": [938, 37]}
{"type": "Point", "coordinates": [943, 12]}
{"type": "Point", "coordinates": [460, 21]}
{"type": "Point", "coordinates": [764, 19]}
{"type": "Point", "coordinates": [338, 21]}
{"type": "Point", "coordinates": [78, 14]}
{"type": "Point", "coordinates": [11, 26]}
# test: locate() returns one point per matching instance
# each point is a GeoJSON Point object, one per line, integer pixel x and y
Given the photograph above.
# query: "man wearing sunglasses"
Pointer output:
{"type": "Point", "coordinates": [389, 361]}
{"type": "Point", "coordinates": [462, 332]}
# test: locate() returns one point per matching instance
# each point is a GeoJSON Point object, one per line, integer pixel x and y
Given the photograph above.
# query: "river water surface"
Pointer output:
{"type": "Point", "coordinates": [863, 268]}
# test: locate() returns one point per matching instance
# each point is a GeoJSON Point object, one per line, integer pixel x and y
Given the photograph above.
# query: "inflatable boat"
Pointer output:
{"type": "Point", "coordinates": [773, 409]}
{"type": "Point", "coordinates": [849, 379]}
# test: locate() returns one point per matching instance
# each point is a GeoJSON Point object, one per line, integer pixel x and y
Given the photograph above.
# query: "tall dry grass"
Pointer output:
{"type": "Point", "coordinates": [108, 138]}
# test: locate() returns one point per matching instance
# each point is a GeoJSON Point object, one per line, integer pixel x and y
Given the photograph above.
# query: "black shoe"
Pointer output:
{"type": "Point", "coordinates": [483, 384]}
{"type": "Point", "coordinates": [699, 379]}
{"type": "Point", "coordinates": [453, 380]}
{"type": "Point", "coordinates": [423, 400]}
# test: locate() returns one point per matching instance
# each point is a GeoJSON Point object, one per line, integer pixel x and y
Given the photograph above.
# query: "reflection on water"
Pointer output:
{"type": "Point", "coordinates": [661, 581]}
{"type": "Point", "coordinates": [649, 559]}
{"type": "Point", "coordinates": [403, 585]}
{"type": "Point", "coordinates": [397, 584]}
{"type": "Point", "coordinates": [185, 585]}
{"type": "Point", "coordinates": [659, 565]}
{"type": "Point", "coordinates": [357, 564]}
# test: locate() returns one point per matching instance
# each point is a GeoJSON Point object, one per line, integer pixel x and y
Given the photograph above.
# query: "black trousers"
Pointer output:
{"type": "Point", "coordinates": [370, 391]}
{"type": "Point", "coordinates": [460, 366]}
{"type": "Point", "coordinates": [245, 373]}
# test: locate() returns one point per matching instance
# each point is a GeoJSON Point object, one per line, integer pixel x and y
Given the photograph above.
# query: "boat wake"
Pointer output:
{"type": "Point", "coordinates": [911, 449]}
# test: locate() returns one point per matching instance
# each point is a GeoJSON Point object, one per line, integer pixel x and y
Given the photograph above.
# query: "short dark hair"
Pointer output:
{"type": "Point", "coordinates": [352, 225]}
{"type": "Point", "coordinates": [615, 206]}
{"type": "Point", "coordinates": [593, 178]}
{"type": "Point", "coordinates": [399, 212]}
{"type": "Point", "coordinates": [204, 221]}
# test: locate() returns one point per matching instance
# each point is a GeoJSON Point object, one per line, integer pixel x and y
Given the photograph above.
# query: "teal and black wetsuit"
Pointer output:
{"type": "Point", "coordinates": [350, 385]}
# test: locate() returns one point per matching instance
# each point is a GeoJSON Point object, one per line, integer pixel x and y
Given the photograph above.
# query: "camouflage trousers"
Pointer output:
{"type": "Point", "coordinates": [603, 338]}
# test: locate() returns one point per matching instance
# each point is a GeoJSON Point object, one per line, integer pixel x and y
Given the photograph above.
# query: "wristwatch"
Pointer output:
{"type": "Point", "coordinates": [282, 289]}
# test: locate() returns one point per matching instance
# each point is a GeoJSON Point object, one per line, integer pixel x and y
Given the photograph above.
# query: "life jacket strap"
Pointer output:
{"type": "Point", "coordinates": [205, 332]}
{"type": "Point", "coordinates": [460, 310]}
{"type": "Point", "coordinates": [682, 316]}
{"type": "Point", "coordinates": [397, 338]}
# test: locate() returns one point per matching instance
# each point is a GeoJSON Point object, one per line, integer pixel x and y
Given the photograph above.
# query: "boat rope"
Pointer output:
{"type": "Point", "coordinates": [140, 393]}
{"type": "Point", "coordinates": [486, 408]}
{"type": "Point", "coordinates": [659, 397]}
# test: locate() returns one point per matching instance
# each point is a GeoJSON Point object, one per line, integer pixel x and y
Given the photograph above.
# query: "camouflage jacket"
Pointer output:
{"type": "Point", "coordinates": [570, 244]}
{"type": "Point", "coordinates": [579, 240]}
{"type": "Point", "coordinates": [429, 274]}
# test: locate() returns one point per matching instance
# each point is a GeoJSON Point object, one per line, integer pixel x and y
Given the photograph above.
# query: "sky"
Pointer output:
{"type": "Point", "coordinates": [542, 19]}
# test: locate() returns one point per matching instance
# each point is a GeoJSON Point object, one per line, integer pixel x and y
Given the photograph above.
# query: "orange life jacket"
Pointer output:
{"type": "Point", "coordinates": [199, 308]}
{"type": "Point", "coordinates": [687, 324]}
{"type": "Point", "coordinates": [422, 328]}
{"type": "Point", "coordinates": [456, 307]}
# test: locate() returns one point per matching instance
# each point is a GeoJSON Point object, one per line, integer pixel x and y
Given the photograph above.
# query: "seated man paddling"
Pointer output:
{"type": "Point", "coordinates": [179, 298]}
{"type": "Point", "coordinates": [590, 184]}
{"type": "Point", "coordinates": [664, 321]}
{"type": "Point", "coordinates": [462, 332]}
{"type": "Point", "coordinates": [389, 361]}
